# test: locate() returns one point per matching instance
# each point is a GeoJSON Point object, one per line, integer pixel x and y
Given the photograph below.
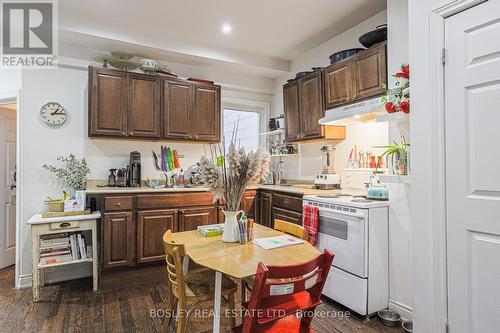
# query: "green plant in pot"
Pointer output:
{"type": "Point", "coordinates": [73, 174]}
{"type": "Point", "coordinates": [398, 155]}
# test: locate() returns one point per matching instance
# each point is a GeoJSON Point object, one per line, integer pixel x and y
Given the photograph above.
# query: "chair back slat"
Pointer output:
{"type": "Point", "coordinates": [278, 287]}
{"type": "Point", "coordinates": [174, 255]}
{"type": "Point", "coordinates": [291, 229]}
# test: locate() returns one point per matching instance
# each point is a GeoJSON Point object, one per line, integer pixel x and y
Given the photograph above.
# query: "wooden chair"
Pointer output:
{"type": "Point", "coordinates": [283, 226]}
{"type": "Point", "coordinates": [281, 292]}
{"type": "Point", "coordinates": [195, 286]}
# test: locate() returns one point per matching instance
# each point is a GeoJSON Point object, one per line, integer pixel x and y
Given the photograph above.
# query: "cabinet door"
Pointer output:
{"type": "Point", "coordinates": [293, 127]}
{"type": "Point", "coordinates": [265, 209]}
{"type": "Point", "coordinates": [151, 225]}
{"type": "Point", "coordinates": [248, 203]}
{"type": "Point", "coordinates": [338, 83]}
{"type": "Point", "coordinates": [287, 215]}
{"type": "Point", "coordinates": [118, 239]}
{"type": "Point", "coordinates": [311, 105]}
{"type": "Point", "coordinates": [370, 71]}
{"type": "Point", "coordinates": [191, 218]}
{"type": "Point", "coordinates": [107, 102]}
{"type": "Point", "coordinates": [206, 113]}
{"type": "Point", "coordinates": [144, 106]}
{"type": "Point", "coordinates": [177, 104]}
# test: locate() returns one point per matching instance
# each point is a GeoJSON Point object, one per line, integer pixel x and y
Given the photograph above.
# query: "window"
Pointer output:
{"type": "Point", "coordinates": [248, 123]}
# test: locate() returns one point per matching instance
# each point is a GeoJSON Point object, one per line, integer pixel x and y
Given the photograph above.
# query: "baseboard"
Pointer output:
{"type": "Point", "coordinates": [405, 311]}
{"type": "Point", "coordinates": [58, 274]}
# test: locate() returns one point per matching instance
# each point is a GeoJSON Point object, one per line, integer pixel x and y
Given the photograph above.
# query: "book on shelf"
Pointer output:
{"type": "Point", "coordinates": [56, 259]}
{"type": "Point", "coordinates": [81, 246]}
{"type": "Point", "coordinates": [65, 247]}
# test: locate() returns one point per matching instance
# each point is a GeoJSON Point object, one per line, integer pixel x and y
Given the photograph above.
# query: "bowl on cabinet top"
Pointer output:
{"type": "Point", "coordinates": [375, 36]}
{"type": "Point", "coordinates": [344, 54]}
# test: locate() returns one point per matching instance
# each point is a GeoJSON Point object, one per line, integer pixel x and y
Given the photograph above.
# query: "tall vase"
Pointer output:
{"type": "Point", "coordinates": [231, 232]}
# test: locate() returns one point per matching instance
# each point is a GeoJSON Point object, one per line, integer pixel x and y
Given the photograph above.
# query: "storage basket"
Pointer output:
{"type": "Point", "coordinates": [54, 205]}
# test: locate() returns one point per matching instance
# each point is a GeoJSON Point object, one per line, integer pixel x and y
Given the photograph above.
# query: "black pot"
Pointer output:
{"type": "Point", "coordinates": [302, 74]}
{"type": "Point", "coordinates": [338, 56]}
{"type": "Point", "coordinates": [373, 37]}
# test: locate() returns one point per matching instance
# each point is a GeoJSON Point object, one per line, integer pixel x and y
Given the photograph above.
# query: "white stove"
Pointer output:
{"type": "Point", "coordinates": [347, 199]}
{"type": "Point", "coordinates": [356, 231]}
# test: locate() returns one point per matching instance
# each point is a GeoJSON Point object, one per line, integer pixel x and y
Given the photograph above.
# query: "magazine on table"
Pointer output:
{"type": "Point", "coordinates": [270, 243]}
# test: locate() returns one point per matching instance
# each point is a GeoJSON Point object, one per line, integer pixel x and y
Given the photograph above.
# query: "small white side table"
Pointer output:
{"type": "Point", "coordinates": [47, 226]}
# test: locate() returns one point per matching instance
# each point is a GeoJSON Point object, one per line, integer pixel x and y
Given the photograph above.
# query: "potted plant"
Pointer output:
{"type": "Point", "coordinates": [398, 155]}
{"type": "Point", "coordinates": [73, 174]}
{"type": "Point", "coordinates": [228, 175]}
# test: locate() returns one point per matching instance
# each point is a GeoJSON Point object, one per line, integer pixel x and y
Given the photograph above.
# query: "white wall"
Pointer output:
{"type": "Point", "coordinates": [400, 279]}
{"type": "Point", "coordinates": [39, 144]}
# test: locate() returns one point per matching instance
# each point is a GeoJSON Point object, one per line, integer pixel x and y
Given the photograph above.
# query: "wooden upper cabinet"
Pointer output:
{"type": "Point", "coordinates": [338, 83]}
{"type": "Point", "coordinates": [191, 218]}
{"type": "Point", "coordinates": [311, 106]}
{"type": "Point", "coordinates": [137, 105]}
{"type": "Point", "coordinates": [177, 105]}
{"type": "Point", "coordinates": [144, 106]}
{"type": "Point", "coordinates": [369, 70]}
{"type": "Point", "coordinates": [151, 225]}
{"type": "Point", "coordinates": [206, 113]}
{"type": "Point", "coordinates": [293, 129]}
{"type": "Point", "coordinates": [107, 102]}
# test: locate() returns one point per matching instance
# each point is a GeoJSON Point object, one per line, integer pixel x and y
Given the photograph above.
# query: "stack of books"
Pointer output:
{"type": "Point", "coordinates": [64, 247]}
{"type": "Point", "coordinates": [211, 229]}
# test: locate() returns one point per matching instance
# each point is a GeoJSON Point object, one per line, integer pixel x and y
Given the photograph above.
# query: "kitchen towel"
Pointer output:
{"type": "Point", "coordinates": [311, 216]}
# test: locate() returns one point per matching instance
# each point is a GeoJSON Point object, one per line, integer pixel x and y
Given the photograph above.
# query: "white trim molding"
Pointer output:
{"type": "Point", "coordinates": [428, 165]}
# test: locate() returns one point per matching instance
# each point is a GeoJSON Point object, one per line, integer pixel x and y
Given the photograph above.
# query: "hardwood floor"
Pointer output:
{"type": "Point", "coordinates": [124, 303]}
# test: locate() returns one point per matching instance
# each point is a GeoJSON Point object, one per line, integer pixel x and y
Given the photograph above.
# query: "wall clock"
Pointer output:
{"type": "Point", "coordinates": [53, 114]}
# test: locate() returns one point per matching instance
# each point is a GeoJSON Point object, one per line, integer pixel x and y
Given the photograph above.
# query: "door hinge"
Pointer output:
{"type": "Point", "coordinates": [443, 56]}
{"type": "Point", "coordinates": [447, 328]}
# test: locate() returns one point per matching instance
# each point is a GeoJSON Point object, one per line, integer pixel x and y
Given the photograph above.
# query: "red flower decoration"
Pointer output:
{"type": "Point", "coordinates": [406, 69]}
{"type": "Point", "coordinates": [389, 106]}
{"type": "Point", "coordinates": [405, 106]}
{"type": "Point", "coordinates": [403, 74]}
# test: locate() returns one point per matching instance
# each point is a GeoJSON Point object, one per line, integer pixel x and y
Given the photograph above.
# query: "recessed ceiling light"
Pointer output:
{"type": "Point", "coordinates": [357, 116]}
{"type": "Point", "coordinates": [226, 28]}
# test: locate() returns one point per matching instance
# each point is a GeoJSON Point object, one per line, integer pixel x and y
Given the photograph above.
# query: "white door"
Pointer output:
{"type": "Point", "coordinates": [7, 186]}
{"type": "Point", "coordinates": [472, 117]}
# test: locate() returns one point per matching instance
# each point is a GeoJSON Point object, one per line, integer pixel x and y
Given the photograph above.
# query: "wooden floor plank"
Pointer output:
{"type": "Point", "coordinates": [123, 304]}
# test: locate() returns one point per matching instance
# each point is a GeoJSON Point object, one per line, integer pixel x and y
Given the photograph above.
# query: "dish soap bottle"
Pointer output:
{"type": "Point", "coordinates": [181, 178]}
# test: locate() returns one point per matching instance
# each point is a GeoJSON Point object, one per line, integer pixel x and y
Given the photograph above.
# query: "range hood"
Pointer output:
{"type": "Point", "coordinates": [353, 114]}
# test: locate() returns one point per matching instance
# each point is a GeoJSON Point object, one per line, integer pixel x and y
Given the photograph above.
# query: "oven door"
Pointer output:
{"type": "Point", "coordinates": [345, 234]}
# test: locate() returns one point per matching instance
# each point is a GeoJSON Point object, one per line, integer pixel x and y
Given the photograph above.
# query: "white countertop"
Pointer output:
{"type": "Point", "coordinates": [114, 190]}
{"type": "Point", "coordinates": [38, 219]}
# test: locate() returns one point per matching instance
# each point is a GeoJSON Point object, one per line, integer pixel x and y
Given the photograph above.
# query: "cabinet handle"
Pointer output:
{"type": "Point", "coordinates": [131, 133]}
{"type": "Point", "coordinates": [118, 204]}
{"type": "Point", "coordinates": [196, 137]}
{"type": "Point", "coordinates": [65, 225]}
{"type": "Point", "coordinates": [190, 136]}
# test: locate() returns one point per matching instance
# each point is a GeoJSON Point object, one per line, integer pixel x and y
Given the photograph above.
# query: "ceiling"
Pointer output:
{"type": "Point", "coordinates": [266, 34]}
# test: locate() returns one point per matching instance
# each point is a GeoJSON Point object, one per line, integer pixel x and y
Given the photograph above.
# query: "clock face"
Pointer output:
{"type": "Point", "coordinates": [53, 114]}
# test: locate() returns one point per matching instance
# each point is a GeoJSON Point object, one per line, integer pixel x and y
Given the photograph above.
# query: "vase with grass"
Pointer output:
{"type": "Point", "coordinates": [228, 174]}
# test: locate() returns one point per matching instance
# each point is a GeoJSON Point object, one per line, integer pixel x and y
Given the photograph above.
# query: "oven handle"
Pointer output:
{"type": "Point", "coordinates": [332, 213]}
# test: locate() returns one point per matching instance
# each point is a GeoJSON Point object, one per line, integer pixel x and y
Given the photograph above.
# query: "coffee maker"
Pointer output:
{"type": "Point", "coordinates": [134, 174]}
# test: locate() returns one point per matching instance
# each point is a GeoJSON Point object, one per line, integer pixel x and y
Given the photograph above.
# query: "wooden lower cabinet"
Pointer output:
{"type": "Point", "coordinates": [118, 235]}
{"type": "Point", "coordinates": [151, 225]}
{"type": "Point", "coordinates": [191, 218]}
{"type": "Point", "coordinates": [265, 209]}
{"type": "Point", "coordinates": [287, 216]}
{"type": "Point", "coordinates": [248, 203]}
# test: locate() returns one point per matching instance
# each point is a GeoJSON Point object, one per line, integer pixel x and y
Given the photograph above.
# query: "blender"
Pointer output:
{"type": "Point", "coordinates": [328, 179]}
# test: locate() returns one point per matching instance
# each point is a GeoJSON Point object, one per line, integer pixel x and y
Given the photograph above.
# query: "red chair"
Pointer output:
{"type": "Point", "coordinates": [282, 294]}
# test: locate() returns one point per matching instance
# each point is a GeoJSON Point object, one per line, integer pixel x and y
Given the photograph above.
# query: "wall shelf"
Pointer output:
{"type": "Point", "coordinates": [395, 179]}
{"type": "Point", "coordinates": [394, 117]}
{"type": "Point", "coordinates": [280, 131]}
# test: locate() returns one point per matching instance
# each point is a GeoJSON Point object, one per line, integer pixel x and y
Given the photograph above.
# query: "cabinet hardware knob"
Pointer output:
{"type": "Point", "coordinates": [119, 204]}
{"type": "Point", "coordinates": [196, 137]}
